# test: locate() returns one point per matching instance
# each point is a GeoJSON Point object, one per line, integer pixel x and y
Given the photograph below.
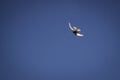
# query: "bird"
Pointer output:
{"type": "Point", "coordinates": [75, 30]}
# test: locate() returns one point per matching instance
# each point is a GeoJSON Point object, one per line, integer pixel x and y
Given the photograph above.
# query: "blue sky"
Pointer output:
{"type": "Point", "coordinates": [36, 43]}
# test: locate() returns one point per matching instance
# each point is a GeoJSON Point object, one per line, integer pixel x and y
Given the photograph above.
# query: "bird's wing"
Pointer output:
{"type": "Point", "coordinates": [70, 26]}
{"type": "Point", "coordinates": [78, 34]}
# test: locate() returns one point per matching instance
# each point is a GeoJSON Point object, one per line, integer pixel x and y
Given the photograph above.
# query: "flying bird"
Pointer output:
{"type": "Point", "coordinates": [75, 30]}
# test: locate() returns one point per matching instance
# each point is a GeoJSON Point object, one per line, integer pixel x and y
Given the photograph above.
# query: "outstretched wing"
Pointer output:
{"type": "Point", "coordinates": [70, 26]}
{"type": "Point", "coordinates": [78, 34]}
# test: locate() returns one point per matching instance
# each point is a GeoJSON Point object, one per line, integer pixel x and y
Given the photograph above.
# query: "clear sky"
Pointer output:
{"type": "Point", "coordinates": [36, 43]}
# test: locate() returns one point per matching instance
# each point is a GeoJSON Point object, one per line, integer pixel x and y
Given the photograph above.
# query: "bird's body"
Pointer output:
{"type": "Point", "coordinates": [75, 30]}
